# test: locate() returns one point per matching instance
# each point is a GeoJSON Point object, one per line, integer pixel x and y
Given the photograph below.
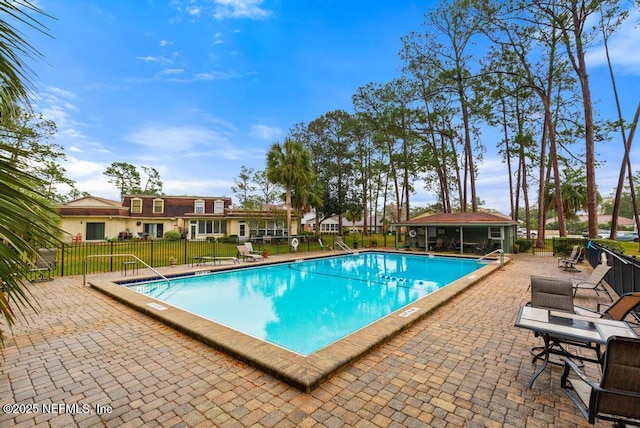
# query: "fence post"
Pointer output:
{"type": "Point", "coordinates": [185, 251]}
{"type": "Point", "coordinates": [62, 260]}
{"type": "Point", "coordinates": [111, 258]}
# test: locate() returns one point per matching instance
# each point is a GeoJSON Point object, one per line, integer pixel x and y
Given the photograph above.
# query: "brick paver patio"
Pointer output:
{"type": "Point", "coordinates": [464, 365]}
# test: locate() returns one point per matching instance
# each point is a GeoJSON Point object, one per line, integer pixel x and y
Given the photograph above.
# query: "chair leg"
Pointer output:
{"type": "Point", "coordinates": [555, 348]}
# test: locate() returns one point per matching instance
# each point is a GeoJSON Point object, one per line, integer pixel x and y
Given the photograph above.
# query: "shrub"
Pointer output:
{"type": "Point", "coordinates": [523, 245]}
{"type": "Point", "coordinates": [611, 245]}
{"type": "Point", "coordinates": [172, 235]}
{"type": "Point", "coordinates": [564, 246]}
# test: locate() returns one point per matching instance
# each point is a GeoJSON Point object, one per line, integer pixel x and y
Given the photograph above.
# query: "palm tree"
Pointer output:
{"type": "Point", "coordinates": [305, 198]}
{"type": "Point", "coordinates": [27, 221]}
{"type": "Point", "coordinates": [574, 194]}
{"type": "Point", "coordinates": [289, 165]}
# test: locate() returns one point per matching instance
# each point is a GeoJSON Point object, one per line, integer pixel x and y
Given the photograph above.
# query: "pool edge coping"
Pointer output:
{"type": "Point", "coordinates": [304, 373]}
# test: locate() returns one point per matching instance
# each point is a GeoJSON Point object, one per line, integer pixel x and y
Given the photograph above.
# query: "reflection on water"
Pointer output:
{"type": "Point", "coordinates": [304, 306]}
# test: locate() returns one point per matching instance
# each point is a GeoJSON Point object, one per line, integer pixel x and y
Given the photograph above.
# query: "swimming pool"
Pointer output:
{"type": "Point", "coordinates": [305, 372]}
{"type": "Point", "coordinates": [304, 306]}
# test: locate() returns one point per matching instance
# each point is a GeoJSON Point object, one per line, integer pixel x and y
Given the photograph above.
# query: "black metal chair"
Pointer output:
{"type": "Point", "coordinates": [616, 397]}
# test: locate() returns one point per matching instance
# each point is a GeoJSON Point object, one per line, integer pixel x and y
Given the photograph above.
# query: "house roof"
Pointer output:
{"type": "Point", "coordinates": [604, 219]}
{"type": "Point", "coordinates": [92, 201]}
{"type": "Point", "coordinates": [92, 206]}
{"type": "Point", "coordinates": [466, 218]}
{"type": "Point", "coordinates": [345, 222]}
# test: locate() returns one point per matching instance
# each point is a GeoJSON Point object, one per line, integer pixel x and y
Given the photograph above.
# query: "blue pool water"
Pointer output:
{"type": "Point", "coordinates": [304, 306]}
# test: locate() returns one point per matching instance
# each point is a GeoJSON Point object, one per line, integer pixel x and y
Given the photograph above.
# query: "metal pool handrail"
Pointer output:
{"type": "Point", "coordinates": [498, 251]}
{"type": "Point", "coordinates": [344, 247]}
{"type": "Point", "coordinates": [84, 265]}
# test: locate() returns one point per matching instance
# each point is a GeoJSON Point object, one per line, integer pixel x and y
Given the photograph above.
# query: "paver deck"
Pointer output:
{"type": "Point", "coordinates": [104, 364]}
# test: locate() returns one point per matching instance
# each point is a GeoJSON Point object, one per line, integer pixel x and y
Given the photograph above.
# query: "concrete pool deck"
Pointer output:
{"type": "Point", "coordinates": [464, 364]}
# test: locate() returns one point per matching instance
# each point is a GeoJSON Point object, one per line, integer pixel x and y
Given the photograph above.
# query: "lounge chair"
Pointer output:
{"type": "Point", "coordinates": [616, 397]}
{"type": "Point", "coordinates": [249, 246]}
{"type": "Point", "coordinates": [571, 256]}
{"type": "Point", "coordinates": [322, 246]}
{"type": "Point", "coordinates": [245, 254]}
{"type": "Point", "coordinates": [594, 281]}
{"type": "Point", "coordinates": [556, 294]}
{"type": "Point", "coordinates": [43, 267]}
{"type": "Point", "coordinates": [201, 260]}
{"type": "Point", "coordinates": [570, 263]}
{"type": "Point", "coordinates": [618, 310]}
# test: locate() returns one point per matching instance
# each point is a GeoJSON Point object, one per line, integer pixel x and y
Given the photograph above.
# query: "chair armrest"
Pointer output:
{"type": "Point", "coordinates": [569, 366]}
{"type": "Point", "coordinates": [587, 312]}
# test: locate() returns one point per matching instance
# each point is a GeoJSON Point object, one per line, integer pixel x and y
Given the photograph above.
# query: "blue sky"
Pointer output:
{"type": "Point", "coordinates": [199, 88]}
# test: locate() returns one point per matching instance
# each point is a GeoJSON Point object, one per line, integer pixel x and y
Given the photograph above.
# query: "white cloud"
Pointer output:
{"type": "Point", "coordinates": [223, 9]}
{"type": "Point", "coordinates": [171, 71]}
{"type": "Point", "coordinates": [173, 138]}
{"type": "Point", "coordinates": [624, 47]}
{"type": "Point", "coordinates": [265, 132]}
{"type": "Point", "coordinates": [240, 9]}
{"type": "Point", "coordinates": [155, 59]}
{"type": "Point", "coordinates": [56, 104]}
{"type": "Point", "coordinates": [216, 75]}
{"type": "Point", "coordinates": [187, 141]}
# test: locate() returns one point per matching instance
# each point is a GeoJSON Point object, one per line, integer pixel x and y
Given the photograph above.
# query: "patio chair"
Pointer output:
{"type": "Point", "coordinates": [249, 246]}
{"type": "Point", "coordinates": [481, 249]}
{"type": "Point", "coordinates": [454, 245]}
{"type": "Point", "coordinates": [594, 281]}
{"type": "Point", "coordinates": [44, 266]}
{"type": "Point", "coordinates": [556, 294]}
{"type": "Point", "coordinates": [616, 397]}
{"type": "Point", "coordinates": [322, 246]}
{"type": "Point", "coordinates": [439, 244]}
{"type": "Point", "coordinates": [552, 293]}
{"type": "Point", "coordinates": [245, 254]}
{"type": "Point", "coordinates": [571, 256]}
{"type": "Point", "coordinates": [617, 310]}
{"type": "Point", "coordinates": [570, 263]}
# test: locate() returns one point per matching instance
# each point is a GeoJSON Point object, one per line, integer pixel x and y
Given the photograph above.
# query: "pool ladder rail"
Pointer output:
{"type": "Point", "coordinates": [344, 247]}
{"type": "Point", "coordinates": [494, 252]}
{"type": "Point", "coordinates": [133, 256]}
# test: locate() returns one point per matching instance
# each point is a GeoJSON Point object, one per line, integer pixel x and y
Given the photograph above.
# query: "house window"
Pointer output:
{"type": "Point", "coordinates": [95, 231]}
{"type": "Point", "coordinates": [158, 206]}
{"type": "Point", "coordinates": [154, 230]}
{"type": "Point", "coordinates": [212, 226]}
{"type": "Point", "coordinates": [329, 227]}
{"type": "Point", "coordinates": [136, 206]}
{"type": "Point", "coordinates": [199, 207]}
{"type": "Point", "coordinates": [218, 207]}
{"type": "Point", "coordinates": [495, 233]}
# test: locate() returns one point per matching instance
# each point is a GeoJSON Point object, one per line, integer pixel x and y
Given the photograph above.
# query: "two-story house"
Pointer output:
{"type": "Point", "coordinates": [151, 216]}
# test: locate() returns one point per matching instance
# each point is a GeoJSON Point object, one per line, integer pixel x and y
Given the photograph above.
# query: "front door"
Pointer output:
{"type": "Point", "coordinates": [242, 230]}
{"type": "Point", "coordinates": [194, 230]}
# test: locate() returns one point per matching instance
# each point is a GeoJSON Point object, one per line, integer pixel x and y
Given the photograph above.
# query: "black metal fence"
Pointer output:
{"type": "Point", "coordinates": [624, 276]}
{"type": "Point", "coordinates": [71, 257]}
